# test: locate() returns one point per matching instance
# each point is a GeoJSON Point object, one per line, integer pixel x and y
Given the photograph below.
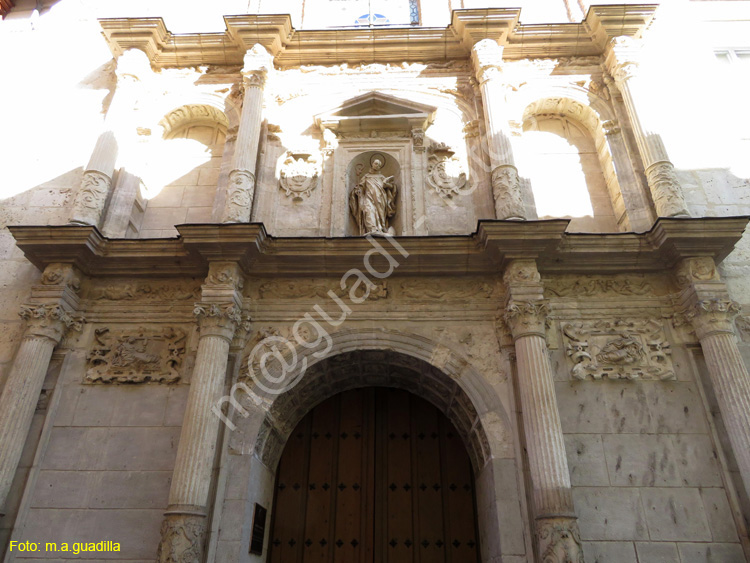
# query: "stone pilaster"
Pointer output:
{"type": "Point", "coordinates": [91, 198]}
{"type": "Point", "coordinates": [239, 202]}
{"type": "Point", "coordinates": [557, 532]}
{"type": "Point", "coordinates": [487, 57]}
{"type": "Point", "coordinates": [712, 313]}
{"type": "Point", "coordinates": [50, 314]}
{"type": "Point", "coordinates": [622, 62]}
{"type": "Point", "coordinates": [218, 314]}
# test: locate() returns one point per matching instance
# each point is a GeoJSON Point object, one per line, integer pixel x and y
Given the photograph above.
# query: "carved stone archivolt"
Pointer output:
{"type": "Point", "coordinates": [299, 175]}
{"type": "Point", "coordinates": [618, 349]}
{"type": "Point", "coordinates": [445, 173]}
{"type": "Point", "coordinates": [136, 356]}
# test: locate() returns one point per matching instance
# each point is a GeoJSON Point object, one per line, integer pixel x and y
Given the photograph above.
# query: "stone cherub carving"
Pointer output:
{"type": "Point", "coordinates": [373, 200]}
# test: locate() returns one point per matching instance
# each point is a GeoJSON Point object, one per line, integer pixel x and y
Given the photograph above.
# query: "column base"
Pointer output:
{"type": "Point", "coordinates": [559, 540]}
{"type": "Point", "coordinates": [183, 536]}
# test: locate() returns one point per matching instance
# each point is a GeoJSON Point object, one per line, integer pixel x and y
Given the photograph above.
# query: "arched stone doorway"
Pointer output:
{"type": "Point", "coordinates": [364, 357]}
{"type": "Point", "coordinates": [374, 474]}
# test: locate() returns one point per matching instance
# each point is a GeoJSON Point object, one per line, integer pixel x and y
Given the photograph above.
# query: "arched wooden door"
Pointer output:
{"type": "Point", "coordinates": [374, 475]}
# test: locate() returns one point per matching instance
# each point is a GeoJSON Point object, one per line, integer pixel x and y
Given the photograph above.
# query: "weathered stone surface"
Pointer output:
{"type": "Point", "coordinates": [675, 514]}
{"type": "Point", "coordinates": [586, 460]}
{"type": "Point", "coordinates": [656, 552]}
{"type": "Point", "coordinates": [708, 553]}
{"type": "Point", "coordinates": [602, 552]}
{"type": "Point", "coordinates": [610, 514]}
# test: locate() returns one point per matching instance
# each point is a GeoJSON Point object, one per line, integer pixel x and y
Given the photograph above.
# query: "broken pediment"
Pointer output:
{"type": "Point", "coordinates": [376, 111]}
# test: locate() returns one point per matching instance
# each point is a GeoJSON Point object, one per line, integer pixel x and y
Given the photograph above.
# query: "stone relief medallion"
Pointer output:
{"type": "Point", "coordinates": [445, 173]}
{"type": "Point", "coordinates": [136, 356]}
{"type": "Point", "coordinates": [299, 175]}
{"type": "Point", "coordinates": [618, 349]}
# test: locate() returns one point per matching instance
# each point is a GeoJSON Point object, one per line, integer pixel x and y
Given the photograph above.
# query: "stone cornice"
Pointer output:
{"type": "Point", "coordinates": [291, 47]}
{"type": "Point", "coordinates": [485, 252]}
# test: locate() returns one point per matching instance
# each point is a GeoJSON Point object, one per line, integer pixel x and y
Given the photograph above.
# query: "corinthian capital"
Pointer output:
{"type": "Point", "coordinates": [622, 58]}
{"type": "Point", "coordinates": [258, 63]}
{"type": "Point", "coordinates": [713, 316]}
{"type": "Point", "coordinates": [526, 318]}
{"type": "Point", "coordinates": [49, 321]}
{"type": "Point", "coordinates": [487, 57]}
{"type": "Point", "coordinates": [218, 319]}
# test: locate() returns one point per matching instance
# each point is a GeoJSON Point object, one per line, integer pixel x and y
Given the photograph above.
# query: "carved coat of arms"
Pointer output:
{"type": "Point", "coordinates": [618, 349]}
{"type": "Point", "coordinates": [299, 175]}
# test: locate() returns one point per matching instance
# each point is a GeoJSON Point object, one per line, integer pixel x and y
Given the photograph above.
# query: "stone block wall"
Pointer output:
{"type": "Point", "coordinates": [649, 481]}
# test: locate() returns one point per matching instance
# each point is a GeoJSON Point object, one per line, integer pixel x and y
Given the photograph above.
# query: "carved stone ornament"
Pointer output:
{"type": "Point", "coordinates": [445, 174]}
{"type": "Point", "coordinates": [299, 175]}
{"type": "Point", "coordinates": [526, 318]}
{"type": "Point", "coordinates": [132, 291]}
{"type": "Point", "coordinates": [435, 290]}
{"type": "Point", "coordinates": [743, 327]}
{"type": "Point", "coordinates": [592, 286]}
{"type": "Point", "coordinates": [696, 270]}
{"type": "Point", "coordinates": [666, 190]}
{"type": "Point", "coordinates": [487, 56]}
{"type": "Point", "coordinates": [50, 321]}
{"type": "Point", "coordinates": [218, 312]}
{"type": "Point", "coordinates": [618, 349]}
{"type": "Point", "coordinates": [507, 193]}
{"type": "Point", "coordinates": [225, 274]}
{"type": "Point", "coordinates": [712, 316]}
{"type": "Point", "coordinates": [239, 197]}
{"type": "Point", "coordinates": [303, 289]}
{"type": "Point", "coordinates": [182, 537]}
{"type": "Point", "coordinates": [559, 541]}
{"type": "Point", "coordinates": [90, 198]}
{"type": "Point", "coordinates": [136, 356]}
{"type": "Point", "coordinates": [61, 274]}
{"type": "Point", "coordinates": [417, 137]}
{"type": "Point", "coordinates": [521, 272]}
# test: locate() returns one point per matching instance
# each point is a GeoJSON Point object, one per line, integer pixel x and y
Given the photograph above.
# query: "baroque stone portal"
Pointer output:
{"type": "Point", "coordinates": [373, 199]}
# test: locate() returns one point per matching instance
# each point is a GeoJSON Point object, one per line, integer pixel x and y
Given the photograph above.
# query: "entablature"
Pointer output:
{"type": "Point", "coordinates": [291, 47]}
{"type": "Point", "coordinates": [486, 252]}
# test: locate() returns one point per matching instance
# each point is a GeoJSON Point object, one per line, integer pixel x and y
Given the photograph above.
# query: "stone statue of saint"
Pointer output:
{"type": "Point", "coordinates": [373, 200]}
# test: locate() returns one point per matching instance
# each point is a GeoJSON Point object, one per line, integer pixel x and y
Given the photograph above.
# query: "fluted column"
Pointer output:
{"type": "Point", "coordinates": [487, 57]}
{"type": "Point", "coordinates": [525, 314]}
{"type": "Point", "coordinates": [622, 62]}
{"type": "Point", "coordinates": [239, 202]}
{"type": "Point", "coordinates": [712, 313]}
{"type": "Point", "coordinates": [91, 198]}
{"type": "Point", "coordinates": [48, 317]}
{"type": "Point", "coordinates": [184, 527]}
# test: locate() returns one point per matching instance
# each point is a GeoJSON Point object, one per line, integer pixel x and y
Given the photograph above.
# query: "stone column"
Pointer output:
{"type": "Point", "coordinates": [239, 202]}
{"type": "Point", "coordinates": [184, 527]}
{"type": "Point", "coordinates": [91, 198]}
{"type": "Point", "coordinates": [50, 314]}
{"type": "Point", "coordinates": [712, 313]}
{"type": "Point", "coordinates": [487, 57]}
{"type": "Point", "coordinates": [557, 532]}
{"type": "Point", "coordinates": [621, 60]}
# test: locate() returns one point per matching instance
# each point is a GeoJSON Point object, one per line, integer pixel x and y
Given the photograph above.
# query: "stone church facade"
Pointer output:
{"type": "Point", "coordinates": [426, 285]}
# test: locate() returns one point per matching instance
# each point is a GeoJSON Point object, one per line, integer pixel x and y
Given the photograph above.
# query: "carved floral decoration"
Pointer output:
{"type": "Point", "coordinates": [618, 349]}
{"type": "Point", "coordinates": [136, 356]}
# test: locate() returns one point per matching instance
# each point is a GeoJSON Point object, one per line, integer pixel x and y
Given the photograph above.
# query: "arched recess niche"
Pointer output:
{"type": "Point", "coordinates": [579, 126]}
{"type": "Point", "coordinates": [184, 166]}
{"type": "Point", "coordinates": [357, 168]}
{"type": "Point", "coordinates": [595, 116]}
{"type": "Point", "coordinates": [367, 358]}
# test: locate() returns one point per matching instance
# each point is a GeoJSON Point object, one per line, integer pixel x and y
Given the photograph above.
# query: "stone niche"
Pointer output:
{"type": "Point", "coordinates": [367, 125]}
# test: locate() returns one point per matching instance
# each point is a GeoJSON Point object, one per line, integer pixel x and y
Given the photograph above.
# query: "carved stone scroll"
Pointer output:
{"type": "Point", "coordinates": [136, 356]}
{"type": "Point", "coordinates": [618, 349]}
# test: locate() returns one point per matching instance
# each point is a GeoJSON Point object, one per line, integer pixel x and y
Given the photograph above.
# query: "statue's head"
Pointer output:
{"type": "Point", "coordinates": [376, 162]}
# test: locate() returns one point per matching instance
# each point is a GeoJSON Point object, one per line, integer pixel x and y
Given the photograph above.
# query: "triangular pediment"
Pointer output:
{"type": "Point", "coordinates": [375, 110]}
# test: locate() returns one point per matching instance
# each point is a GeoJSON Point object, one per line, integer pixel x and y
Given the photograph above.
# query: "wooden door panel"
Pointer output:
{"type": "Point", "coordinates": [374, 475]}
